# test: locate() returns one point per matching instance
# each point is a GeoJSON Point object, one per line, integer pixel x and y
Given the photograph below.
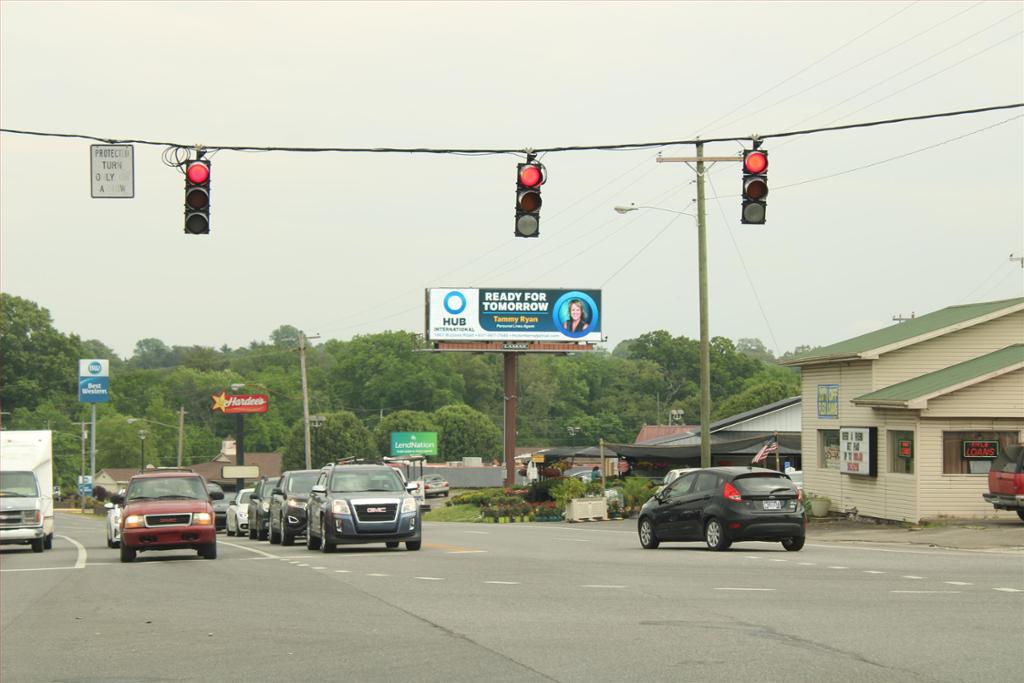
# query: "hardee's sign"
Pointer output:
{"type": "Point", "coordinates": [247, 403]}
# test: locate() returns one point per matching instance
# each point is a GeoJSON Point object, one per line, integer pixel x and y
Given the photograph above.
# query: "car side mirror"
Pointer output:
{"type": "Point", "coordinates": [117, 499]}
{"type": "Point", "coordinates": [319, 488]}
{"type": "Point", "coordinates": [412, 487]}
{"type": "Point", "coordinates": [216, 495]}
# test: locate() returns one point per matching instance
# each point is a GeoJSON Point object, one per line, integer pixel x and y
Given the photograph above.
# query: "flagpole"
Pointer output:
{"type": "Point", "coordinates": [775, 436]}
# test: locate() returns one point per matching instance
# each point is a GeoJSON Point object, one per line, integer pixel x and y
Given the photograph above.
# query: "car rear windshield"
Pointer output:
{"type": "Point", "coordinates": [763, 484]}
{"type": "Point", "coordinates": [166, 487]}
{"type": "Point", "coordinates": [21, 484]}
{"type": "Point", "coordinates": [301, 482]}
{"type": "Point", "coordinates": [354, 482]}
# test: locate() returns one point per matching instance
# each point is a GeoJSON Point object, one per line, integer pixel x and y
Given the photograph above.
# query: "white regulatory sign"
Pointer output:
{"type": "Point", "coordinates": [112, 171]}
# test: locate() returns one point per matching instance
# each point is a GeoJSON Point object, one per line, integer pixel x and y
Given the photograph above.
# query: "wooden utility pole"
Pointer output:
{"type": "Point", "coordinates": [305, 395]}
{"type": "Point", "coordinates": [181, 433]}
{"type": "Point", "coordinates": [511, 365]}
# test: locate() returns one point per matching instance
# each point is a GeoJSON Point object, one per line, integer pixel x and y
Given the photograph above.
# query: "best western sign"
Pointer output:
{"type": "Point", "coordinates": [245, 403]}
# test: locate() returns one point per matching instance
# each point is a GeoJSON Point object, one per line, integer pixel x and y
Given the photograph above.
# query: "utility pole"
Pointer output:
{"type": "Point", "coordinates": [702, 268]}
{"type": "Point", "coordinates": [85, 437]}
{"type": "Point", "coordinates": [181, 433]}
{"type": "Point", "coordinates": [305, 396]}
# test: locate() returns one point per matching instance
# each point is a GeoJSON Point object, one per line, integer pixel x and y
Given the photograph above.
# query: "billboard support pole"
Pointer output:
{"type": "Point", "coordinates": [239, 447]}
{"type": "Point", "coordinates": [511, 363]}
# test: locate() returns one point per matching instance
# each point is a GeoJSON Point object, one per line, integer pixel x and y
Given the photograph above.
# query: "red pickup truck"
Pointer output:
{"type": "Point", "coordinates": [1006, 481]}
{"type": "Point", "coordinates": [167, 510]}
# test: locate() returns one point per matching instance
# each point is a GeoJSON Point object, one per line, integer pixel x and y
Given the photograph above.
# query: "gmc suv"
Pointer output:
{"type": "Point", "coordinates": [167, 510]}
{"type": "Point", "coordinates": [1006, 481]}
{"type": "Point", "coordinates": [362, 504]}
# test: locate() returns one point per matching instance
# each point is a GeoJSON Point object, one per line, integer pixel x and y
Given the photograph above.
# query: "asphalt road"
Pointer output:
{"type": "Point", "coordinates": [511, 602]}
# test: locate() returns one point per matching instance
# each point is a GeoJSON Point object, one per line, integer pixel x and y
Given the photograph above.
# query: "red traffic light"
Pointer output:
{"type": "Point", "coordinates": [531, 175]}
{"type": "Point", "coordinates": [755, 162]}
{"type": "Point", "coordinates": [198, 172]}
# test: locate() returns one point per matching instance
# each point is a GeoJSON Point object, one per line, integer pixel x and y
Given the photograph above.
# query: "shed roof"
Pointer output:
{"type": "Point", "coordinates": [913, 331]}
{"type": "Point", "coordinates": [914, 393]}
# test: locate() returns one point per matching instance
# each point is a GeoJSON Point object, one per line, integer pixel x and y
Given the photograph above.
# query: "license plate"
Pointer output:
{"type": "Point", "coordinates": [773, 505]}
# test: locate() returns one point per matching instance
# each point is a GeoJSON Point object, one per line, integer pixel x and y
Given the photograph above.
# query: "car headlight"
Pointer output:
{"type": "Point", "coordinates": [409, 505]}
{"type": "Point", "coordinates": [265, 505]}
{"type": "Point", "coordinates": [134, 522]}
{"type": "Point", "coordinates": [340, 507]}
{"type": "Point", "coordinates": [242, 514]}
{"type": "Point", "coordinates": [202, 519]}
{"type": "Point", "coordinates": [296, 503]}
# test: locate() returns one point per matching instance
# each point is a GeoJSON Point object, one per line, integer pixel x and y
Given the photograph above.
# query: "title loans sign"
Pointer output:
{"type": "Point", "coordinates": [514, 315]}
{"type": "Point", "coordinates": [246, 403]}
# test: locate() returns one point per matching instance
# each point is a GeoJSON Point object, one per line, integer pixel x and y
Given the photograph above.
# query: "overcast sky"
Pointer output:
{"type": "Point", "coordinates": [862, 225]}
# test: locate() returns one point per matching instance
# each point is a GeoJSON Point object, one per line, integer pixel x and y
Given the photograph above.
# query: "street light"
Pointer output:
{"type": "Point", "coordinates": [705, 353]}
{"type": "Point", "coordinates": [180, 427]}
{"type": "Point", "coordinates": [142, 450]}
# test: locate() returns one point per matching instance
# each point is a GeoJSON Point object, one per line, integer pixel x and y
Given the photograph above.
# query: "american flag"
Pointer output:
{"type": "Point", "coordinates": [762, 454]}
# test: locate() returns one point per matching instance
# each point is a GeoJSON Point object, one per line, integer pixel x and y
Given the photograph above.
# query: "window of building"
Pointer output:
{"type": "Point", "coordinates": [965, 452]}
{"type": "Point", "coordinates": [901, 452]}
{"type": "Point", "coordinates": [828, 449]}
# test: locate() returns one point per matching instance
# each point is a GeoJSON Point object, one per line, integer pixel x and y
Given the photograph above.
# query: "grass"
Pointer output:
{"type": "Point", "coordinates": [453, 513]}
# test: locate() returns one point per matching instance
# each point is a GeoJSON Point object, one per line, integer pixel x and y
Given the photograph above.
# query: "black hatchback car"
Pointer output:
{"type": "Point", "coordinates": [288, 505]}
{"type": "Point", "coordinates": [363, 504]}
{"type": "Point", "coordinates": [722, 505]}
{"type": "Point", "coordinates": [259, 508]}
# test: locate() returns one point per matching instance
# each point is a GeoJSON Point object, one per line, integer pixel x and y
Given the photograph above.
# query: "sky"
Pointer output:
{"type": "Point", "coordinates": [863, 225]}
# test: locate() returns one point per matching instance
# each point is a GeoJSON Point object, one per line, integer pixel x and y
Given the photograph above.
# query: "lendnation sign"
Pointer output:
{"type": "Point", "coordinates": [413, 443]}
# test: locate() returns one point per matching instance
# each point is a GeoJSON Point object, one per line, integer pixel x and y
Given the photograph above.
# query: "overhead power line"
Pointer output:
{"type": "Point", "coordinates": [543, 150]}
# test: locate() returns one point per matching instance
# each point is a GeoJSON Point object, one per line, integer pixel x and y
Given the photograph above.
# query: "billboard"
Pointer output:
{"type": "Point", "coordinates": [413, 443]}
{"type": "Point", "coordinates": [551, 315]}
{"type": "Point", "coordinates": [239, 404]}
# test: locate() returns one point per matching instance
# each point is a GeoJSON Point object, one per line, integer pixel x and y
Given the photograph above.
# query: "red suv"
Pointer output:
{"type": "Point", "coordinates": [1006, 481]}
{"type": "Point", "coordinates": [167, 510]}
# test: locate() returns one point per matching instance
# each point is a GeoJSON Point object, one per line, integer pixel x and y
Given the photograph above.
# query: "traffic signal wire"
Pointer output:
{"type": "Point", "coordinates": [497, 151]}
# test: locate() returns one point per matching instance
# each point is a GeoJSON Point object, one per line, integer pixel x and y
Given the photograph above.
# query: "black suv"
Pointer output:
{"type": "Point", "coordinates": [259, 507]}
{"type": "Point", "coordinates": [362, 504]}
{"type": "Point", "coordinates": [288, 505]}
{"type": "Point", "coordinates": [725, 504]}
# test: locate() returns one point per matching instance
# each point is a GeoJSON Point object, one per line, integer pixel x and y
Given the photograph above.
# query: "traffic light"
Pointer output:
{"type": "Point", "coordinates": [529, 177]}
{"type": "Point", "coordinates": [197, 197]}
{"type": "Point", "coordinates": [755, 185]}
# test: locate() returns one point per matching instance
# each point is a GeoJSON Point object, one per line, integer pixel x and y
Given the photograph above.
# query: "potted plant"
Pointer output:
{"type": "Point", "coordinates": [819, 505]}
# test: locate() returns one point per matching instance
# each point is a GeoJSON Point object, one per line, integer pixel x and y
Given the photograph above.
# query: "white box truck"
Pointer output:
{"type": "Point", "coordinates": [26, 488]}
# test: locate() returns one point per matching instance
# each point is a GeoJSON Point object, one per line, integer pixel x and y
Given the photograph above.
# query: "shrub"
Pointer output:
{"type": "Point", "coordinates": [540, 491]}
{"type": "Point", "coordinates": [637, 490]}
{"type": "Point", "coordinates": [567, 489]}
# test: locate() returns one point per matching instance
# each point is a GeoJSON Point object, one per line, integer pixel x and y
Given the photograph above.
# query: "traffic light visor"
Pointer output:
{"type": "Point", "coordinates": [198, 172]}
{"type": "Point", "coordinates": [531, 175]}
{"type": "Point", "coordinates": [755, 162]}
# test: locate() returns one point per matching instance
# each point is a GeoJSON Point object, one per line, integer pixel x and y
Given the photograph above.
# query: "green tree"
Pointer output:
{"type": "Point", "coordinates": [341, 435]}
{"type": "Point", "coordinates": [464, 432]}
{"type": "Point", "coordinates": [37, 360]}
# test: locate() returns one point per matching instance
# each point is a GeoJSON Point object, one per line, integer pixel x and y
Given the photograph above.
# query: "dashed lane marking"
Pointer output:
{"type": "Point", "coordinates": [808, 564]}
{"type": "Point", "coordinates": [872, 571]}
{"type": "Point", "coordinates": [728, 588]}
{"type": "Point", "coordinates": [910, 576]}
{"type": "Point", "coordinates": [503, 583]}
{"type": "Point", "coordinates": [1010, 590]}
{"type": "Point", "coordinates": [838, 567]}
{"type": "Point", "coordinates": [342, 571]}
{"type": "Point", "coordinates": [601, 585]}
{"type": "Point", "coordinates": [319, 567]}
{"type": "Point", "coordinates": [958, 583]}
{"type": "Point", "coordinates": [428, 578]}
{"type": "Point", "coordinates": [465, 552]}
{"type": "Point", "coordinates": [378, 574]}
{"type": "Point", "coordinates": [919, 592]}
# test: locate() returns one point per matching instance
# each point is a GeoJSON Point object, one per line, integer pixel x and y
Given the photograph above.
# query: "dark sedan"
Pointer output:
{"type": "Point", "coordinates": [220, 505]}
{"type": "Point", "coordinates": [722, 505]}
{"type": "Point", "coordinates": [259, 508]}
{"type": "Point", "coordinates": [288, 505]}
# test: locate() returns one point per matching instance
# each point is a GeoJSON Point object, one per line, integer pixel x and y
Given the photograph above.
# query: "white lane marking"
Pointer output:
{"type": "Point", "coordinates": [600, 585]}
{"type": "Point", "coordinates": [294, 562]}
{"type": "Point", "coordinates": [1009, 590]}
{"type": "Point", "coordinates": [319, 567]}
{"type": "Point", "coordinates": [249, 559]}
{"type": "Point", "coordinates": [958, 583]}
{"type": "Point", "coordinates": [872, 571]}
{"type": "Point", "coordinates": [378, 574]}
{"type": "Point", "coordinates": [752, 557]}
{"type": "Point", "coordinates": [82, 555]}
{"type": "Point", "coordinates": [576, 540]}
{"type": "Point", "coordinates": [910, 576]}
{"type": "Point", "coordinates": [302, 565]}
{"type": "Point", "coordinates": [778, 560]}
{"type": "Point", "coordinates": [838, 567]}
{"type": "Point", "coordinates": [725, 588]}
{"type": "Point", "coordinates": [428, 578]}
{"type": "Point", "coordinates": [808, 564]}
{"type": "Point", "coordinates": [342, 571]}
{"type": "Point", "coordinates": [943, 592]}
{"type": "Point", "coordinates": [951, 552]}
{"type": "Point", "coordinates": [465, 552]}
{"type": "Point", "coordinates": [47, 569]}
{"type": "Point", "coordinates": [482, 533]}
{"type": "Point", "coordinates": [263, 555]}
{"type": "Point", "coordinates": [504, 583]}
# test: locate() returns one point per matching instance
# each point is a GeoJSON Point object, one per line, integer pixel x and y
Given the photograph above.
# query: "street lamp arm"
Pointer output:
{"type": "Point", "coordinates": [636, 207]}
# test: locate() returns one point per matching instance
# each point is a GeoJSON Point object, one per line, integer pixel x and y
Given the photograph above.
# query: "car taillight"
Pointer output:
{"type": "Point", "coordinates": [731, 492]}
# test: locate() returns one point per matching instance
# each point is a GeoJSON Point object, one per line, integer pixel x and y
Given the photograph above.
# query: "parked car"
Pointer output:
{"type": "Point", "coordinates": [114, 523]}
{"type": "Point", "coordinates": [259, 508]}
{"type": "Point", "coordinates": [288, 505]}
{"type": "Point", "coordinates": [362, 504]}
{"type": "Point", "coordinates": [1006, 481]}
{"type": "Point", "coordinates": [435, 485]}
{"type": "Point", "coordinates": [722, 505]}
{"type": "Point", "coordinates": [672, 475]}
{"type": "Point", "coordinates": [167, 510]}
{"type": "Point", "coordinates": [220, 505]}
{"type": "Point", "coordinates": [238, 513]}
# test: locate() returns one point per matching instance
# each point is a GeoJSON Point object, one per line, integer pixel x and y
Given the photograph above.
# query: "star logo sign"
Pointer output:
{"type": "Point", "coordinates": [220, 401]}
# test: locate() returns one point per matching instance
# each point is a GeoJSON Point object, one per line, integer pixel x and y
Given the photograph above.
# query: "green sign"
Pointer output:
{"type": "Point", "coordinates": [828, 401]}
{"type": "Point", "coordinates": [413, 443]}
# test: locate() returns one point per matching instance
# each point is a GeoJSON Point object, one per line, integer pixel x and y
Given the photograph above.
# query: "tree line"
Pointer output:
{"type": "Point", "coordinates": [365, 388]}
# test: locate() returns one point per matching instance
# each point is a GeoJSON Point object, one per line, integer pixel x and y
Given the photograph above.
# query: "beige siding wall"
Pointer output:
{"type": "Point", "coordinates": [1001, 396]}
{"type": "Point", "coordinates": [953, 495]}
{"type": "Point", "coordinates": [949, 349]}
